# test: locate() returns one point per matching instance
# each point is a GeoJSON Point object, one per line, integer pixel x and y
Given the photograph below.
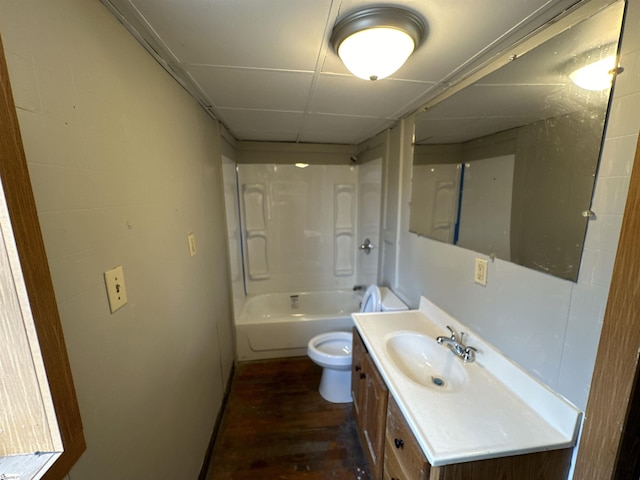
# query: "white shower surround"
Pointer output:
{"type": "Point", "coordinates": [302, 226]}
{"type": "Point", "coordinates": [309, 223]}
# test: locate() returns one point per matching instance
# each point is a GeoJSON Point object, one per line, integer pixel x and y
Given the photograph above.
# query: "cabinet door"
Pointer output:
{"type": "Point", "coordinates": [550, 465]}
{"type": "Point", "coordinates": [403, 454]}
{"type": "Point", "coordinates": [358, 377]}
{"type": "Point", "coordinates": [369, 404]}
{"type": "Point", "coordinates": [375, 412]}
{"type": "Point", "coordinates": [392, 468]}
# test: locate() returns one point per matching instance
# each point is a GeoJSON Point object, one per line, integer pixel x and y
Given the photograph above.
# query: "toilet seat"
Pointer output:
{"type": "Point", "coordinates": [331, 350]}
{"type": "Point", "coordinates": [371, 301]}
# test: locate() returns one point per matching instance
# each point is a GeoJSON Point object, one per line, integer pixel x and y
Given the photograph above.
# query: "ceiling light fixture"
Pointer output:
{"type": "Point", "coordinates": [595, 76]}
{"type": "Point", "coordinates": [375, 42]}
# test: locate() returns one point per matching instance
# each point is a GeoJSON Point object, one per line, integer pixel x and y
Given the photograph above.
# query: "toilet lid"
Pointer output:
{"type": "Point", "coordinates": [371, 300]}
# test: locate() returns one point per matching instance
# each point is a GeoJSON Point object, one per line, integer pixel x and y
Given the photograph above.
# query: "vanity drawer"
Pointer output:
{"type": "Point", "coordinates": [392, 468]}
{"type": "Point", "coordinates": [403, 455]}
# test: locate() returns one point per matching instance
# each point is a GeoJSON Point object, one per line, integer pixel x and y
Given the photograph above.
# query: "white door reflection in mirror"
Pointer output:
{"type": "Point", "coordinates": [436, 188]}
{"type": "Point", "coordinates": [485, 212]}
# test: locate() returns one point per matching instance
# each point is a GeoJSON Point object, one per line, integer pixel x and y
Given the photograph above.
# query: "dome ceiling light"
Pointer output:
{"type": "Point", "coordinates": [374, 43]}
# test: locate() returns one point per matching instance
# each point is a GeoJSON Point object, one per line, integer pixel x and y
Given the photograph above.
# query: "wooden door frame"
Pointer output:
{"type": "Point", "coordinates": [37, 277]}
{"type": "Point", "coordinates": [612, 387]}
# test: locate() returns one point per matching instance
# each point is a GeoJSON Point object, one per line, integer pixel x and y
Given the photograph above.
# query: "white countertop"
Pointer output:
{"type": "Point", "coordinates": [499, 411]}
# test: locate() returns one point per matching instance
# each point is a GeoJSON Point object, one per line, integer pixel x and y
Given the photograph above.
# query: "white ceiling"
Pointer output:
{"type": "Point", "coordinates": [266, 70]}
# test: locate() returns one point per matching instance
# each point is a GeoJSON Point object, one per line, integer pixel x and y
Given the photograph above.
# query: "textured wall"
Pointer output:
{"type": "Point", "coordinates": [124, 165]}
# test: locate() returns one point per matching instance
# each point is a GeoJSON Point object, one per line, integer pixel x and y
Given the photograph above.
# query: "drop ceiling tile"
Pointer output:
{"type": "Point", "coordinates": [333, 138]}
{"type": "Point", "coordinates": [348, 95]}
{"type": "Point", "coordinates": [246, 124]}
{"type": "Point", "coordinates": [254, 89]}
{"type": "Point", "coordinates": [279, 34]}
{"type": "Point", "coordinates": [353, 129]}
{"type": "Point", "coordinates": [265, 136]}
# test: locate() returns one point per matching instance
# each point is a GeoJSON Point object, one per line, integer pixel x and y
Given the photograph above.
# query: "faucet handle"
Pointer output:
{"type": "Point", "coordinates": [469, 355]}
{"type": "Point", "coordinates": [453, 333]}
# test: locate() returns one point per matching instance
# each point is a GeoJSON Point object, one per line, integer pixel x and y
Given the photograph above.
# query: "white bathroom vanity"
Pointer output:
{"type": "Point", "coordinates": [424, 412]}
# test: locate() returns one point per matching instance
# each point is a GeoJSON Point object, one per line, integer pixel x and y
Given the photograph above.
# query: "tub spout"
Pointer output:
{"type": "Point", "coordinates": [357, 288]}
{"type": "Point", "coordinates": [294, 301]}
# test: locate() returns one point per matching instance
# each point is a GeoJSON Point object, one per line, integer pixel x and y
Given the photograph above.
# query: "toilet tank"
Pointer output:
{"type": "Point", "coordinates": [390, 302]}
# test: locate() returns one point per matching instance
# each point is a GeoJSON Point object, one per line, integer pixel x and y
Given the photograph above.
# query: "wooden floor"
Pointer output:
{"type": "Point", "coordinates": [277, 426]}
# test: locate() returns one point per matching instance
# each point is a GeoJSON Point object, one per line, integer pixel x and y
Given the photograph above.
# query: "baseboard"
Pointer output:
{"type": "Point", "coordinates": [216, 428]}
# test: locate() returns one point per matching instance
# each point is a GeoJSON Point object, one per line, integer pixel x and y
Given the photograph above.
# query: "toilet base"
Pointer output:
{"type": "Point", "coordinates": [335, 385]}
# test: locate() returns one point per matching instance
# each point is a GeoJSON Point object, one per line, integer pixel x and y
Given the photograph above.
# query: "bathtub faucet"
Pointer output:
{"type": "Point", "coordinates": [294, 301]}
{"type": "Point", "coordinates": [358, 288]}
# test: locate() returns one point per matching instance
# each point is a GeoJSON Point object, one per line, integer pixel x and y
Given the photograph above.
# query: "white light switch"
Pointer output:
{"type": "Point", "coordinates": [191, 238]}
{"type": "Point", "coordinates": [116, 291]}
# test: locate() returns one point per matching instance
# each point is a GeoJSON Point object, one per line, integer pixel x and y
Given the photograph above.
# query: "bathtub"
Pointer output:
{"type": "Point", "coordinates": [276, 325]}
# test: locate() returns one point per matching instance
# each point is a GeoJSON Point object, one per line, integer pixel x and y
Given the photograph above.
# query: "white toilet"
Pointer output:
{"type": "Point", "coordinates": [332, 351]}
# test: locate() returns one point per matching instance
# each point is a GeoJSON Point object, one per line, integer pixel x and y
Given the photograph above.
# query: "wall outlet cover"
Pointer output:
{"type": "Point", "coordinates": [480, 272]}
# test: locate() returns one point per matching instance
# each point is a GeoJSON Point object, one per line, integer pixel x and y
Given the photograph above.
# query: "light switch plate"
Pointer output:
{"type": "Point", "coordinates": [116, 291]}
{"type": "Point", "coordinates": [191, 238]}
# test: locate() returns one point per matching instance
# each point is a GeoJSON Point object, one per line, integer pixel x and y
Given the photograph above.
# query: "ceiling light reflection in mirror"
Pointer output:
{"type": "Point", "coordinates": [506, 166]}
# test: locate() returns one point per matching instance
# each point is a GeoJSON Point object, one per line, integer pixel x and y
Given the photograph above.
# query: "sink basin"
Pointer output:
{"type": "Point", "coordinates": [423, 361]}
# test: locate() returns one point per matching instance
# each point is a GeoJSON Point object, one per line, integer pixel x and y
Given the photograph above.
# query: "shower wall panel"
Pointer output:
{"type": "Point", "coordinates": [369, 209]}
{"type": "Point", "coordinates": [344, 229]}
{"type": "Point", "coordinates": [299, 227]}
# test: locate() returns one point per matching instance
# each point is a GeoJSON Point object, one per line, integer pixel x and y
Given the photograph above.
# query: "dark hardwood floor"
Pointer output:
{"type": "Point", "coordinates": [277, 426]}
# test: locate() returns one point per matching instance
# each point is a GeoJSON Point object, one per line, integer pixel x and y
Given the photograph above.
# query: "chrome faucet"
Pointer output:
{"type": "Point", "coordinates": [457, 346]}
{"type": "Point", "coordinates": [294, 303]}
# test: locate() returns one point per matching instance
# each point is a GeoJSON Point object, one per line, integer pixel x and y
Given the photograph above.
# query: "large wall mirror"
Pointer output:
{"type": "Point", "coordinates": [506, 166]}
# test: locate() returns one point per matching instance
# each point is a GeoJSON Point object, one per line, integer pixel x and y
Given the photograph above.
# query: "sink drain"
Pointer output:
{"type": "Point", "coordinates": [437, 381]}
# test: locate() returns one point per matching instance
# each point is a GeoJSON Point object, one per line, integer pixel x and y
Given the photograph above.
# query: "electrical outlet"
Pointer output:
{"type": "Point", "coordinates": [480, 272]}
{"type": "Point", "coordinates": [116, 291]}
{"type": "Point", "coordinates": [191, 238]}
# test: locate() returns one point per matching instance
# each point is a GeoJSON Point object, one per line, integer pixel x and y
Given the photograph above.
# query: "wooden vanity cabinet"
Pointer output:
{"type": "Point", "coordinates": [403, 457]}
{"type": "Point", "coordinates": [370, 395]}
{"type": "Point", "coordinates": [551, 465]}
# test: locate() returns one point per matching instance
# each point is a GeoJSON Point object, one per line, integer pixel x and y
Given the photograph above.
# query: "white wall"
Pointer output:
{"type": "Point", "coordinates": [549, 326]}
{"type": "Point", "coordinates": [124, 164]}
